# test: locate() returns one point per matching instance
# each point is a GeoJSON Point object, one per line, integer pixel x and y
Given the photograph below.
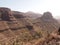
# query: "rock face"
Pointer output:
{"type": "Point", "coordinates": [5, 13]}
{"type": "Point", "coordinates": [5, 30]}
{"type": "Point", "coordinates": [18, 14]}
{"type": "Point", "coordinates": [47, 16]}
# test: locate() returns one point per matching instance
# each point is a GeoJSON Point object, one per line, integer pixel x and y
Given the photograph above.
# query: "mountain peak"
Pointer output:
{"type": "Point", "coordinates": [47, 15]}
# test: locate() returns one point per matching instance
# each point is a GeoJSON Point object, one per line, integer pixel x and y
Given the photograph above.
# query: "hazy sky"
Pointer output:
{"type": "Point", "coordinates": [38, 6]}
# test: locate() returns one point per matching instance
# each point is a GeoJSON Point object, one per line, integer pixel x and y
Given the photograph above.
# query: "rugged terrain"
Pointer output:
{"type": "Point", "coordinates": [18, 28]}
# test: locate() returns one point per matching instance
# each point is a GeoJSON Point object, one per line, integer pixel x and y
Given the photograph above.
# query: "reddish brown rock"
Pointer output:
{"type": "Point", "coordinates": [5, 13]}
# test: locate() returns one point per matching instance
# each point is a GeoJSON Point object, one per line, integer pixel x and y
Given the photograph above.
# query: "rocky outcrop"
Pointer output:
{"type": "Point", "coordinates": [5, 13]}
{"type": "Point", "coordinates": [17, 14]}
{"type": "Point", "coordinates": [47, 16]}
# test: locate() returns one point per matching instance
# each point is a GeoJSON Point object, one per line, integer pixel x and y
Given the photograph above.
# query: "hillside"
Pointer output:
{"type": "Point", "coordinates": [51, 39]}
{"type": "Point", "coordinates": [46, 22]}
{"type": "Point", "coordinates": [17, 28]}
{"type": "Point", "coordinates": [14, 28]}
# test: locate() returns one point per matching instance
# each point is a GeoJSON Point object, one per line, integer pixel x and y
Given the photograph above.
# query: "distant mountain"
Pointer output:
{"type": "Point", "coordinates": [46, 22]}
{"type": "Point", "coordinates": [32, 15]}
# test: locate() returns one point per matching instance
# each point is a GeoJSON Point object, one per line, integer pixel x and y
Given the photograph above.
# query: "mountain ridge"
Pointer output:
{"type": "Point", "coordinates": [17, 28]}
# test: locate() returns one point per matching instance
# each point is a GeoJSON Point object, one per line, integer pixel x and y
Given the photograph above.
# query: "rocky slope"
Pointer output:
{"type": "Point", "coordinates": [14, 28]}
{"type": "Point", "coordinates": [52, 39]}
{"type": "Point", "coordinates": [46, 23]}
{"type": "Point", "coordinates": [17, 29]}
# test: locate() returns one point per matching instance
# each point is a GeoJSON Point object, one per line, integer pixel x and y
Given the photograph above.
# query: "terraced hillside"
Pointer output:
{"type": "Point", "coordinates": [17, 29]}
{"type": "Point", "coordinates": [13, 28]}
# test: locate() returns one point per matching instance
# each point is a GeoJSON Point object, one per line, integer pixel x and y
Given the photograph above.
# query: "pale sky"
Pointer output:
{"type": "Point", "coordinates": [38, 6]}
